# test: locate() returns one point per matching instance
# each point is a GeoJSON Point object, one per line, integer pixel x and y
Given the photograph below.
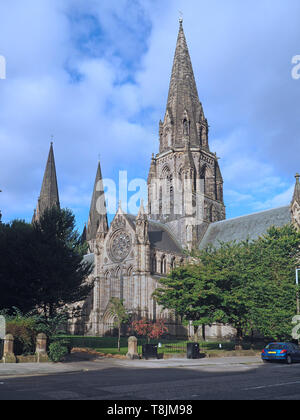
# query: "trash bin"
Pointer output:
{"type": "Point", "coordinates": [149, 351]}
{"type": "Point", "coordinates": [193, 350]}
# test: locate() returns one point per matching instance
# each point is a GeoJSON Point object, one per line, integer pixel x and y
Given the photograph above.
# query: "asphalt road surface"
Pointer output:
{"type": "Point", "coordinates": [206, 382]}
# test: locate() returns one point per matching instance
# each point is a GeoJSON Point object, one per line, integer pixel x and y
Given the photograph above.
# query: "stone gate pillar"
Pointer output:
{"type": "Point", "coordinates": [8, 352]}
{"type": "Point", "coordinates": [132, 348]}
{"type": "Point", "coordinates": [41, 348]}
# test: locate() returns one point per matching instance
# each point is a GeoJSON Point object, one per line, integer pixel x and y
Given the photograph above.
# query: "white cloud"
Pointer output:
{"type": "Point", "coordinates": [96, 75]}
{"type": "Point", "coordinates": [282, 199]}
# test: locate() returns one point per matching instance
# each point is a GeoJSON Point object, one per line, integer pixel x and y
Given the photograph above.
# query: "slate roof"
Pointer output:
{"type": "Point", "coordinates": [245, 227]}
{"type": "Point", "coordinates": [159, 235]}
{"type": "Point", "coordinates": [89, 258]}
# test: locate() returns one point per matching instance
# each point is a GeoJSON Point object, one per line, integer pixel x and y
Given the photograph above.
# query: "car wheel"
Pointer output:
{"type": "Point", "coordinates": [289, 360]}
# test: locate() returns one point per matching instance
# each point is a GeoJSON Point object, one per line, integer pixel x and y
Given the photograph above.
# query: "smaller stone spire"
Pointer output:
{"type": "Point", "coordinates": [296, 196]}
{"type": "Point", "coordinates": [295, 204]}
{"type": "Point", "coordinates": [142, 214]}
{"type": "Point", "coordinates": [49, 196]}
{"type": "Point", "coordinates": [98, 215]}
{"type": "Point", "coordinates": [152, 171]}
{"type": "Point", "coordinates": [142, 225]}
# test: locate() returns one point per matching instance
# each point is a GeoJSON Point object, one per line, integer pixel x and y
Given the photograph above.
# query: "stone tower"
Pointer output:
{"type": "Point", "coordinates": [49, 196]}
{"type": "Point", "coordinates": [185, 185]}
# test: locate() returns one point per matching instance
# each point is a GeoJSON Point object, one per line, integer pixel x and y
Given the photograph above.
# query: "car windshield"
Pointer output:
{"type": "Point", "coordinates": [275, 346]}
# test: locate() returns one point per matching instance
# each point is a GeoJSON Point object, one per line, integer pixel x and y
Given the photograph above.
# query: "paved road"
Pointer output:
{"type": "Point", "coordinates": [122, 380]}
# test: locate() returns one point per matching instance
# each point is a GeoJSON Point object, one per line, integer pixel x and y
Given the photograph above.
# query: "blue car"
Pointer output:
{"type": "Point", "coordinates": [285, 352]}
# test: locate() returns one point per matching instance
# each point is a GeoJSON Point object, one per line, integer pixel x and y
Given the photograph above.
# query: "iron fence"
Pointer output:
{"type": "Point", "coordinates": [1, 348]}
{"type": "Point", "coordinates": [165, 347]}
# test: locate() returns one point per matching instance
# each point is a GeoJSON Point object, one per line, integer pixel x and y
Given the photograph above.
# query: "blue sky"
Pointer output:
{"type": "Point", "coordinates": [95, 75]}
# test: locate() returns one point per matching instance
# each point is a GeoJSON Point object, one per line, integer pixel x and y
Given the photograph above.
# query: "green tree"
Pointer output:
{"type": "Point", "coordinates": [249, 285]}
{"type": "Point", "coordinates": [120, 315]}
{"type": "Point", "coordinates": [230, 270]}
{"type": "Point", "coordinates": [41, 265]}
{"type": "Point", "coordinates": [18, 250]}
{"type": "Point", "coordinates": [190, 292]}
{"type": "Point", "coordinates": [277, 256]}
{"type": "Point", "coordinates": [62, 272]}
{"type": "Point", "coordinates": [215, 289]}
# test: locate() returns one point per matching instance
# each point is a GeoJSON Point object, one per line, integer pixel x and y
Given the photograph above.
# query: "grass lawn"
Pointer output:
{"type": "Point", "coordinates": [108, 345]}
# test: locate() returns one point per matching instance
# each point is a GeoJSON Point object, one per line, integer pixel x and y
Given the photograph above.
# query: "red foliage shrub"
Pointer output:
{"type": "Point", "coordinates": [149, 329]}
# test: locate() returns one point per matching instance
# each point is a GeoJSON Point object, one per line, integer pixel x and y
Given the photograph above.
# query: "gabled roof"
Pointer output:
{"type": "Point", "coordinates": [245, 227]}
{"type": "Point", "coordinates": [159, 236]}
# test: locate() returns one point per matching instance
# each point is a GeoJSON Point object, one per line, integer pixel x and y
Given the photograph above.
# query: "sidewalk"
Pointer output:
{"type": "Point", "coordinates": [36, 369]}
{"type": "Point", "coordinates": [188, 363]}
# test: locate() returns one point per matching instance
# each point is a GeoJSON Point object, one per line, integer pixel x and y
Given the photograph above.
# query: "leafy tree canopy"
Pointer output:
{"type": "Point", "coordinates": [249, 285]}
{"type": "Point", "coordinates": [41, 265]}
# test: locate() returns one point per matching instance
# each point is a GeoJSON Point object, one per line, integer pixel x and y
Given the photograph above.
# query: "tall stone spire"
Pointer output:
{"type": "Point", "coordinates": [185, 185]}
{"type": "Point", "coordinates": [97, 223]}
{"type": "Point", "coordinates": [49, 196]}
{"type": "Point", "coordinates": [184, 116]}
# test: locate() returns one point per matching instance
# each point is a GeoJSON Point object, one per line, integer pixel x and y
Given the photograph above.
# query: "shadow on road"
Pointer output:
{"type": "Point", "coordinates": [214, 382]}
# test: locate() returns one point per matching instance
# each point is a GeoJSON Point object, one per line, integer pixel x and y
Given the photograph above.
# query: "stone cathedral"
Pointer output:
{"type": "Point", "coordinates": [185, 211]}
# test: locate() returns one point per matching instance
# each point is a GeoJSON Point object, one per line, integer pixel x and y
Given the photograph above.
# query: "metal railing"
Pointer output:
{"type": "Point", "coordinates": [1, 348]}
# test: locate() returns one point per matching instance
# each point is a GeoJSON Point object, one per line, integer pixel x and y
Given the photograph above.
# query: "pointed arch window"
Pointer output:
{"type": "Point", "coordinates": [186, 127]}
{"type": "Point", "coordinates": [203, 179]}
{"type": "Point", "coordinates": [163, 265]}
{"type": "Point", "coordinates": [154, 264]}
{"type": "Point", "coordinates": [130, 287]}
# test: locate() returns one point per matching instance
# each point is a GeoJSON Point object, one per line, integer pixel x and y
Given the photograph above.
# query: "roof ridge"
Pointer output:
{"type": "Point", "coordinates": [247, 215]}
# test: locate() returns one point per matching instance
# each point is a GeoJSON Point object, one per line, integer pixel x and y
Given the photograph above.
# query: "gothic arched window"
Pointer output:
{"type": "Point", "coordinates": [163, 265]}
{"type": "Point", "coordinates": [186, 127]}
{"type": "Point", "coordinates": [154, 264]}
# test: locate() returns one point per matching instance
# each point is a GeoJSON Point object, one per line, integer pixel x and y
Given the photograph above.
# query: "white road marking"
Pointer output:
{"type": "Point", "coordinates": [271, 386]}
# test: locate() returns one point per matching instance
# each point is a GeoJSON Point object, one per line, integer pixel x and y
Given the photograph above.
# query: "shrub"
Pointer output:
{"type": "Point", "coordinates": [63, 341]}
{"type": "Point", "coordinates": [24, 332]}
{"type": "Point", "coordinates": [57, 351]}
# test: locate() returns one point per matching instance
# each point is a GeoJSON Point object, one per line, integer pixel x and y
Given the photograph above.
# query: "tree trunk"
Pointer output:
{"type": "Point", "coordinates": [203, 332]}
{"type": "Point", "coordinates": [239, 339]}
